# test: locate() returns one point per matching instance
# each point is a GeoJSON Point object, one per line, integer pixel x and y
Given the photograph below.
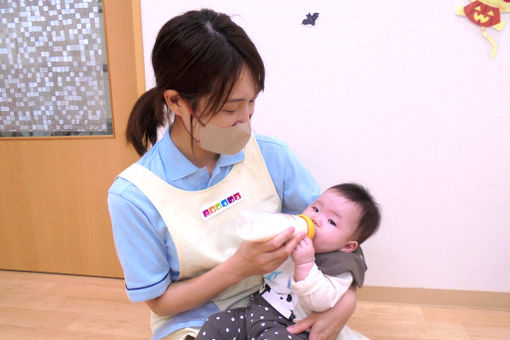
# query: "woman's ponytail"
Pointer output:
{"type": "Point", "coordinates": [145, 118]}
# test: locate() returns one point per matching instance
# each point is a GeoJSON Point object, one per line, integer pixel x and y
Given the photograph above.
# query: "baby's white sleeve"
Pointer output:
{"type": "Point", "coordinates": [319, 292]}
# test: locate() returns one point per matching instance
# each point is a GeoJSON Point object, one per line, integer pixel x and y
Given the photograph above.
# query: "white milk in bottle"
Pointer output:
{"type": "Point", "coordinates": [260, 226]}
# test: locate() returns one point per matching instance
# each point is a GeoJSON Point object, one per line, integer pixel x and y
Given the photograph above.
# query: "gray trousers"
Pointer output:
{"type": "Point", "coordinates": [259, 320]}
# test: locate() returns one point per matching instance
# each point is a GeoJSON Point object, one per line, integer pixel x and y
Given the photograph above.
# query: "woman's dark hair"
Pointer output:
{"type": "Point", "coordinates": [199, 53]}
{"type": "Point", "coordinates": [370, 215]}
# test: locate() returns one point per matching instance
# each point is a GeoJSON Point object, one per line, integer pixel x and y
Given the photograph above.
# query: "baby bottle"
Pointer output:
{"type": "Point", "coordinates": [260, 226]}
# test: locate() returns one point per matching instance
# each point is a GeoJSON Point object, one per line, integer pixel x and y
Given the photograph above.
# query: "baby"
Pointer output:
{"type": "Point", "coordinates": [313, 279]}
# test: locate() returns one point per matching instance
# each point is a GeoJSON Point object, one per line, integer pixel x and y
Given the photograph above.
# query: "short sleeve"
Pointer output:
{"type": "Point", "coordinates": [142, 245]}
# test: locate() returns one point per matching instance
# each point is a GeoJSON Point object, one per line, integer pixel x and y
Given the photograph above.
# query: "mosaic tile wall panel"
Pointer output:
{"type": "Point", "coordinates": [53, 73]}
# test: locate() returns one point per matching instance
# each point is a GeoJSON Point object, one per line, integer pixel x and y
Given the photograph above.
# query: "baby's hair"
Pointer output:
{"type": "Point", "coordinates": [370, 215]}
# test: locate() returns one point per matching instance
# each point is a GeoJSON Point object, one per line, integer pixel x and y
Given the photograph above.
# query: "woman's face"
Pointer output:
{"type": "Point", "coordinates": [239, 106]}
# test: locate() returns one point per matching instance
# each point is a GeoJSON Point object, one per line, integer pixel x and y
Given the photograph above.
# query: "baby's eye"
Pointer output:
{"type": "Point", "coordinates": [315, 209]}
{"type": "Point", "coordinates": [332, 222]}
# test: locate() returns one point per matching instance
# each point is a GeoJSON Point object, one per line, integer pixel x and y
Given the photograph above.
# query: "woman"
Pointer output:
{"type": "Point", "coordinates": [172, 212]}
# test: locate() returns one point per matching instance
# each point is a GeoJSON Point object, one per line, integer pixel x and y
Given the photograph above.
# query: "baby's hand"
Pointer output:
{"type": "Point", "coordinates": [304, 252]}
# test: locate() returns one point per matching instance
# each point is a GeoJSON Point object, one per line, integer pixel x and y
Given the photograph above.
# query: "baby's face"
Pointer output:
{"type": "Point", "coordinates": [336, 219]}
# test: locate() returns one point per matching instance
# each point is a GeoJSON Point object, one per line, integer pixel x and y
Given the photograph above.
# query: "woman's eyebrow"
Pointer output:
{"type": "Point", "coordinates": [235, 100]}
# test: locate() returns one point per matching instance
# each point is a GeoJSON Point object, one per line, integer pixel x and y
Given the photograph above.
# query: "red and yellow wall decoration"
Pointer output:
{"type": "Point", "coordinates": [486, 13]}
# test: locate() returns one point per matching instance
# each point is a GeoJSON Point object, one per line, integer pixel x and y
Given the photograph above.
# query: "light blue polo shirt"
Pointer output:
{"type": "Point", "coordinates": [143, 243]}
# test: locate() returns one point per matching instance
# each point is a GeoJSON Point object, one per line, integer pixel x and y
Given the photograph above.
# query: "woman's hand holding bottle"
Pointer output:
{"type": "Point", "coordinates": [256, 258]}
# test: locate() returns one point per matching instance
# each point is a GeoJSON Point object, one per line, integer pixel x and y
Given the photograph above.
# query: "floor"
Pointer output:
{"type": "Point", "coordinates": [46, 306]}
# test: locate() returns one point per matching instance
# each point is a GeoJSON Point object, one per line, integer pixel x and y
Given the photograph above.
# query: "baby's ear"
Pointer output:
{"type": "Point", "coordinates": [350, 247]}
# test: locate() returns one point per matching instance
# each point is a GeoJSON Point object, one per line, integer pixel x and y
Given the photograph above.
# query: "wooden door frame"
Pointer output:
{"type": "Point", "coordinates": [47, 225]}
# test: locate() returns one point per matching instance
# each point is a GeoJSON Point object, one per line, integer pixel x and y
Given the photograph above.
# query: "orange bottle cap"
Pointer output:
{"type": "Point", "coordinates": [311, 227]}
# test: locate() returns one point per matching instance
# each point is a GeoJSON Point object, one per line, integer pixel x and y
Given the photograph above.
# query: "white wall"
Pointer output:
{"type": "Point", "coordinates": [400, 96]}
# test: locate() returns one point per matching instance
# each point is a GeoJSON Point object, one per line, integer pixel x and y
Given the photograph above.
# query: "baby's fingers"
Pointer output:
{"type": "Point", "coordinates": [293, 243]}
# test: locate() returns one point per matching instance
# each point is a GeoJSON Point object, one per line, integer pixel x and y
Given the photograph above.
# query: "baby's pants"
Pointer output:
{"type": "Point", "coordinates": [259, 320]}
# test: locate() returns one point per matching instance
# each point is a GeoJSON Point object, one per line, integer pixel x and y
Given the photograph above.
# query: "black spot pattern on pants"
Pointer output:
{"type": "Point", "coordinates": [257, 321]}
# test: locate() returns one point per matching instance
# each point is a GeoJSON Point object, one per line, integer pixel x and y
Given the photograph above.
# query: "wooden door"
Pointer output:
{"type": "Point", "coordinates": [53, 211]}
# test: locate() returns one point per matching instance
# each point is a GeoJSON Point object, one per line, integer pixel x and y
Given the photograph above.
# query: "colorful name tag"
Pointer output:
{"type": "Point", "coordinates": [221, 205]}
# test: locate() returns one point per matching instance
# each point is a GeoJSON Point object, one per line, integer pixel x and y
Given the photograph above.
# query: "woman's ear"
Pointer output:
{"type": "Point", "coordinates": [174, 101]}
{"type": "Point", "coordinates": [350, 247]}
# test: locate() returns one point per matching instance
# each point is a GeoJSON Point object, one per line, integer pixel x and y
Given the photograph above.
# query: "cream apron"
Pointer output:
{"type": "Point", "coordinates": [201, 223]}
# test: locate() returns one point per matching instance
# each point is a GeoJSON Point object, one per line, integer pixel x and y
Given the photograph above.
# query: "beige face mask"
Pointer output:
{"type": "Point", "coordinates": [228, 140]}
